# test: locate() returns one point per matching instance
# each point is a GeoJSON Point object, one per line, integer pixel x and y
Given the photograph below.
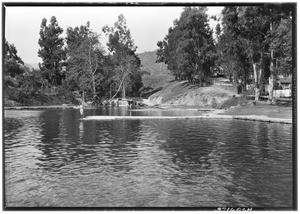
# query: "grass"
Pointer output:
{"type": "Point", "coordinates": [272, 111]}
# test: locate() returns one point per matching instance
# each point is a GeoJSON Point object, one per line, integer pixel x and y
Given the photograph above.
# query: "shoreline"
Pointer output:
{"type": "Point", "coordinates": [41, 107]}
{"type": "Point", "coordinates": [209, 114]}
{"type": "Point", "coordinates": [238, 117]}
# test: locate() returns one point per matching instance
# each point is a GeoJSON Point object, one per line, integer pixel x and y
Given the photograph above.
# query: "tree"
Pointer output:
{"type": "Point", "coordinates": [257, 24]}
{"type": "Point", "coordinates": [254, 26]}
{"type": "Point", "coordinates": [52, 51]}
{"type": "Point", "coordinates": [279, 39]}
{"type": "Point", "coordinates": [188, 49]}
{"type": "Point", "coordinates": [232, 49]}
{"type": "Point", "coordinates": [168, 52]}
{"type": "Point", "coordinates": [12, 62]}
{"type": "Point", "coordinates": [282, 45]}
{"type": "Point", "coordinates": [253, 35]}
{"type": "Point", "coordinates": [85, 58]}
{"type": "Point", "coordinates": [247, 26]}
{"type": "Point", "coordinates": [127, 70]}
{"type": "Point", "coordinates": [20, 83]}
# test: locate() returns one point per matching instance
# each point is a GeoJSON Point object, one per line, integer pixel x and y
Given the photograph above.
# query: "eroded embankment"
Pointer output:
{"type": "Point", "coordinates": [183, 93]}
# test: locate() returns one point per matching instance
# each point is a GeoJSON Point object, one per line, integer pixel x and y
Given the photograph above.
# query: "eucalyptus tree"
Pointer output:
{"type": "Point", "coordinates": [85, 59]}
{"type": "Point", "coordinates": [188, 49]}
{"type": "Point", "coordinates": [231, 47]}
{"type": "Point", "coordinates": [168, 53]}
{"type": "Point", "coordinates": [52, 51]}
{"type": "Point", "coordinates": [252, 29]}
{"type": "Point", "coordinates": [127, 71]}
{"type": "Point", "coordinates": [279, 39]}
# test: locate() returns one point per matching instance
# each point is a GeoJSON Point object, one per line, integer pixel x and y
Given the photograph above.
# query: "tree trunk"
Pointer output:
{"type": "Point", "coordinates": [257, 78]}
{"type": "Point", "coordinates": [120, 86]}
{"type": "Point", "coordinates": [271, 88]}
{"type": "Point", "coordinates": [271, 78]}
{"type": "Point", "coordinates": [94, 85]}
{"type": "Point", "coordinates": [200, 74]}
{"type": "Point", "coordinates": [123, 90]}
{"type": "Point", "coordinates": [110, 93]}
{"type": "Point", "coordinates": [245, 83]}
{"type": "Point", "coordinates": [91, 70]}
{"type": "Point", "coordinates": [83, 99]}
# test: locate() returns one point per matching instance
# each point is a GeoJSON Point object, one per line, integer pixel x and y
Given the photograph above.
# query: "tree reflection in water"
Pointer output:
{"type": "Point", "coordinates": [53, 158]}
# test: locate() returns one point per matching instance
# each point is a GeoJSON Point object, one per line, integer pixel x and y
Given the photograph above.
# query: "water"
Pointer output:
{"type": "Point", "coordinates": [52, 158]}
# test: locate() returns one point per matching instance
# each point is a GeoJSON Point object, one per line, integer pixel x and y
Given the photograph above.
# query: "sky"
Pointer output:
{"type": "Point", "coordinates": [147, 25]}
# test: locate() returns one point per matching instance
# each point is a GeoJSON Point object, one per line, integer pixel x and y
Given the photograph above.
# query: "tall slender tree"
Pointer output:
{"type": "Point", "coordinates": [279, 39]}
{"type": "Point", "coordinates": [232, 49]}
{"type": "Point", "coordinates": [85, 58]}
{"type": "Point", "coordinates": [52, 51]}
{"type": "Point", "coordinates": [127, 63]}
{"type": "Point", "coordinates": [188, 48]}
{"type": "Point", "coordinates": [254, 35]}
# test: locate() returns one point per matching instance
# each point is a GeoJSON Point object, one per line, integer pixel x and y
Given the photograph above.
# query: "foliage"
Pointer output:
{"type": "Point", "coordinates": [231, 49]}
{"type": "Point", "coordinates": [21, 85]}
{"type": "Point", "coordinates": [85, 59]}
{"type": "Point", "coordinates": [13, 63]}
{"type": "Point", "coordinates": [52, 51]}
{"type": "Point", "coordinates": [188, 49]}
{"type": "Point", "coordinates": [127, 71]}
{"type": "Point", "coordinates": [253, 43]}
{"type": "Point", "coordinates": [250, 37]}
{"type": "Point", "coordinates": [281, 42]}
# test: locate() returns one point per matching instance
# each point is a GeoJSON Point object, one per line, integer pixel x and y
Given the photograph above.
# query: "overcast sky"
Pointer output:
{"type": "Point", "coordinates": [147, 24]}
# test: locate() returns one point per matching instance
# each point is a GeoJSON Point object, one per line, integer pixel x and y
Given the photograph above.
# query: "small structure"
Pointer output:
{"type": "Point", "coordinates": [218, 71]}
{"type": "Point", "coordinates": [285, 83]}
{"type": "Point", "coordinates": [123, 102]}
{"type": "Point", "coordinates": [283, 87]}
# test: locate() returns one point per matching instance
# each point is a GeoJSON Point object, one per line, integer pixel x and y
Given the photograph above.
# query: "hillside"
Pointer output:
{"type": "Point", "coordinates": [159, 74]}
{"type": "Point", "coordinates": [32, 65]}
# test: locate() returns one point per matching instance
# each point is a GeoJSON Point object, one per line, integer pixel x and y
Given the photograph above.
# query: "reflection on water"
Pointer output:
{"type": "Point", "coordinates": [52, 158]}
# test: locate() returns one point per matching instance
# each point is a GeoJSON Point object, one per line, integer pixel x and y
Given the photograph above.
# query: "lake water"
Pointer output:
{"type": "Point", "coordinates": [54, 159]}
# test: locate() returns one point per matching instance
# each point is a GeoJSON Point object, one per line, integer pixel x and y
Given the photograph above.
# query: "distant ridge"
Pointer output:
{"type": "Point", "coordinates": [159, 73]}
{"type": "Point", "coordinates": [32, 65]}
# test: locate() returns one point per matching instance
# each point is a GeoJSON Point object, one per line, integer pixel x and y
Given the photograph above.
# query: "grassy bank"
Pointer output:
{"type": "Point", "coordinates": [271, 111]}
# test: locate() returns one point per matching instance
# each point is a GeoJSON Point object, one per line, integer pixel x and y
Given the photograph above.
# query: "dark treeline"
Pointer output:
{"type": "Point", "coordinates": [252, 44]}
{"type": "Point", "coordinates": [75, 68]}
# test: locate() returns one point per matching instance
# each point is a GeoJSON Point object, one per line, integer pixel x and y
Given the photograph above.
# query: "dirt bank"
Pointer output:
{"type": "Point", "coordinates": [221, 97]}
{"type": "Point", "coordinates": [183, 93]}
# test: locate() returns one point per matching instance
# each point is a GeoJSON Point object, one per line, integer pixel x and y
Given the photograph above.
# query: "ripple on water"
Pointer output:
{"type": "Point", "coordinates": [54, 159]}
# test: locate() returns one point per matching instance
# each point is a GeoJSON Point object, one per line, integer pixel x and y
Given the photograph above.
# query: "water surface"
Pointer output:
{"type": "Point", "coordinates": [52, 158]}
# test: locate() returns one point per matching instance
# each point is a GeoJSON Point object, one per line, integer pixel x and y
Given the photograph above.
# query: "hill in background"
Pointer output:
{"type": "Point", "coordinates": [159, 73]}
{"type": "Point", "coordinates": [32, 65]}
